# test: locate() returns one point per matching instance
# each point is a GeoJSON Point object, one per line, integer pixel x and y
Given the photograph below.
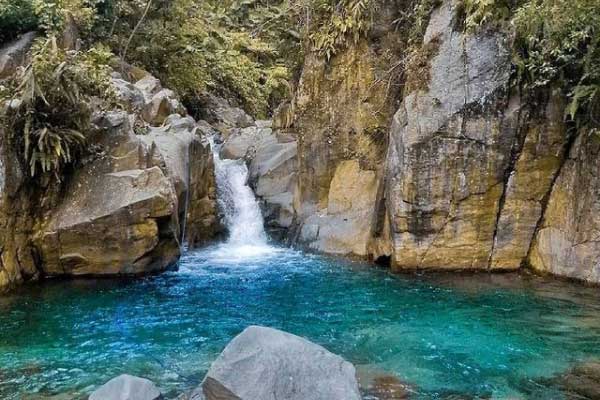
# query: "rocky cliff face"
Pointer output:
{"type": "Point", "coordinates": [469, 163]}
{"type": "Point", "coordinates": [130, 205]}
{"type": "Point", "coordinates": [477, 174]}
{"type": "Point", "coordinates": [567, 242]}
{"type": "Point", "coordinates": [338, 120]}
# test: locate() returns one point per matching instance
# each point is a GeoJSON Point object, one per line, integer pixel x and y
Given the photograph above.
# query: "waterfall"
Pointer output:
{"type": "Point", "coordinates": [243, 218]}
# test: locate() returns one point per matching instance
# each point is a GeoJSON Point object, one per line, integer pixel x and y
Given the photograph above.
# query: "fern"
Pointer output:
{"type": "Point", "coordinates": [347, 21]}
{"type": "Point", "coordinates": [49, 118]}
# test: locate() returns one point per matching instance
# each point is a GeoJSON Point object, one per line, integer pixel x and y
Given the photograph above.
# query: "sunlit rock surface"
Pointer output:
{"type": "Point", "coordinates": [267, 364]}
{"type": "Point", "coordinates": [119, 215]}
{"type": "Point", "coordinates": [345, 226]}
{"type": "Point", "coordinates": [129, 206]}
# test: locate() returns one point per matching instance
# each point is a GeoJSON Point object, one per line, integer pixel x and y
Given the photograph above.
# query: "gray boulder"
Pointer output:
{"type": "Point", "coordinates": [14, 54]}
{"type": "Point", "coordinates": [129, 94]}
{"type": "Point", "coordinates": [267, 364]}
{"type": "Point", "coordinates": [127, 387]}
{"type": "Point", "coordinates": [224, 116]}
{"type": "Point", "coordinates": [242, 143]}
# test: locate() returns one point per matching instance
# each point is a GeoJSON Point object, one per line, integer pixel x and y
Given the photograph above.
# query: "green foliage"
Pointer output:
{"type": "Point", "coordinates": [19, 16]}
{"type": "Point", "coordinates": [345, 21]}
{"type": "Point", "coordinates": [558, 43]}
{"type": "Point", "coordinates": [485, 12]}
{"type": "Point", "coordinates": [413, 21]}
{"type": "Point", "coordinates": [237, 49]}
{"type": "Point", "coordinates": [16, 17]}
{"type": "Point", "coordinates": [49, 116]}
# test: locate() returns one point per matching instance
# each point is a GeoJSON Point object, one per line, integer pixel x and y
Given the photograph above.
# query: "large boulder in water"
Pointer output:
{"type": "Point", "coordinates": [119, 213]}
{"type": "Point", "coordinates": [267, 364]}
{"type": "Point", "coordinates": [127, 387]}
{"type": "Point", "coordinates": [124, 211]}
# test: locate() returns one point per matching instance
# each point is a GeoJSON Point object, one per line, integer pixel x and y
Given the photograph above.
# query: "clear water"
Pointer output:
{"type": "Point", "coordinates": [479, 335]}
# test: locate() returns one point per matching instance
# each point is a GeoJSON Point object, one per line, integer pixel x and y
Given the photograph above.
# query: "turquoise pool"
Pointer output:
{"type": "Point", "coordinates": [483, 336]}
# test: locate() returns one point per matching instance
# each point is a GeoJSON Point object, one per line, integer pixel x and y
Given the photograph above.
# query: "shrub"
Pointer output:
{"type": "Point", "coordinates": [343, 22]}
{"type": "Point", "coordinates": [50, 114]}
{"type": "Point", "coordinates": [207, 46]}
{"type": "Point", "coordinates": [16, 17]}
{"type": "Point", "coordinates": [558, 43]}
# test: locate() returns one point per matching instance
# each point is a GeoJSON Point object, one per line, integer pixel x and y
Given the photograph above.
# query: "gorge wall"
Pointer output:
{"type": "Point", "coordinates": [429, 158]}
{"type": "Point", "coordinates": [470, 173]}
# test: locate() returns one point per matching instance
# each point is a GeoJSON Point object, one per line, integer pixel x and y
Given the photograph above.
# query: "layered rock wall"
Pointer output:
{"type": "Point", "coordinates": [147, 186]}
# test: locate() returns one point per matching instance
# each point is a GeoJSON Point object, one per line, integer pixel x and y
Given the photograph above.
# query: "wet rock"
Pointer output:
{"type": "Point", "coordinates": [267, 364]}
{"type": "Point", "coordinates": [14, 54]}
{"type": "Point", "coordinates": [580, 382]}
{"type": "Point", "coordinates": [127, 387]}
{"type": "Point", "coordinates": [273, 175]}
{"type": "Point", "coordinates": [379, 386]}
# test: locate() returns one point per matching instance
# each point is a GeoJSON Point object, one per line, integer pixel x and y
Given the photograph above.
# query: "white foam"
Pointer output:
{"type": "Point", "coordinates": [247, 237]}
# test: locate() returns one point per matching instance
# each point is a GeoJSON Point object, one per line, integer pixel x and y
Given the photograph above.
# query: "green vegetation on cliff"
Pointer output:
{"type": "Point", "coordinates": [557, 43]}
{"type": "Point", "coordinates": [251, 51]}
{"type": "Point", "coordinates": [233, 48]}
{"type": "Point", "coordinates": [49, 117]}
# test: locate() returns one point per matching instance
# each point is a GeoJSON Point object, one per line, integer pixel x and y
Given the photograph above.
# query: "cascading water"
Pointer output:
{"type": "Point", "coordinates": [243, 218]}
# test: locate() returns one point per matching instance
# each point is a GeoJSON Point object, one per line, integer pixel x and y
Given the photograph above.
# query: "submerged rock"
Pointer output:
{"type": "Point", "coordinates": [127, 387]}
{"type": "Point", "coordinates": [267, 364]}
{"type": "Point", "coordinates": [377, 385]}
